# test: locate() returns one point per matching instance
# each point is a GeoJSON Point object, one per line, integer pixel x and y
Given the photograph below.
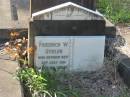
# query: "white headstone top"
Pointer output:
{"type": "Point", "coordinates": [67, 11]}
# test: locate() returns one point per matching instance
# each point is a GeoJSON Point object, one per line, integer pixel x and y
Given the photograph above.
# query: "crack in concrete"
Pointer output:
{"type": "Point", "coordinates": [14, 13]}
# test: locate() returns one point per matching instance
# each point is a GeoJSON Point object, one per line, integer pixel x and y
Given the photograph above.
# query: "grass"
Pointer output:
{"type": "Point", "coordinates": [115, 10]}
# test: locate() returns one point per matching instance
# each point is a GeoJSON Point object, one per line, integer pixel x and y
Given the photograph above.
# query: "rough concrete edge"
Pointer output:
{"type": "Point", "coordinates": [22, 89]}
{"type": "Point", "coordinates": [110, 28]}
{"type": "Point", "coordinates": [122, 67]}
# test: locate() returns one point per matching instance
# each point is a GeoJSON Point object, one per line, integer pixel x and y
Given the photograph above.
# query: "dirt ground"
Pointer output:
{"type": "Point", "coordinates": [105, 82]}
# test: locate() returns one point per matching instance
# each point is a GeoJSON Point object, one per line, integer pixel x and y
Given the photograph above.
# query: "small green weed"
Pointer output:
{"type": "Point", "coordinates": [45, 83]}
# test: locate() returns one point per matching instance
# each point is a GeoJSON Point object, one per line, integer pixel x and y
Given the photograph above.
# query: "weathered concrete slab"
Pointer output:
{"type": "Point", "coordinates": [11, 10]}
{"type": "Point", "coordinates": [5, 12]}
{"type": "Point", "coordinates": [9, 87]}
{"type": "Point", "coordinates": [23, 10]}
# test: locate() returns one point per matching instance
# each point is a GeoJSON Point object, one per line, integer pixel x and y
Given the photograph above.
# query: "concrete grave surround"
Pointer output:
{"type": "Point", "coordinates": [77, 53]}
{"type": "Point", "coordinates": [67, 11]}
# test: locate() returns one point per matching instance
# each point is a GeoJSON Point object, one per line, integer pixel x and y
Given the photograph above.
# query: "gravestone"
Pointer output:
{"type": "Point", "coordinates": [67, 36]}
